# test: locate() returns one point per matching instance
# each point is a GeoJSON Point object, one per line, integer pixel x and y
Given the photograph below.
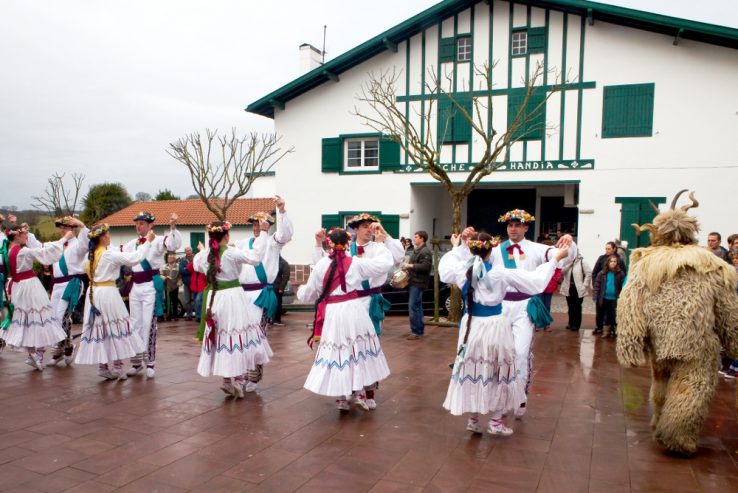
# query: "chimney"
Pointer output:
{"type": "Point", "coordinates": [310, 58]}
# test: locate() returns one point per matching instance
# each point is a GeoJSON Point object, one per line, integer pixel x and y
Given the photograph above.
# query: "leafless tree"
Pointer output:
{"type": "Point", "coordinates": [381, 111]}
{"type": "Point", "coordinates": [143, 197]}
{"type": "Point", "coordinates": [222, 169]}
{"type": "Point", "coordinates": [60, 199]}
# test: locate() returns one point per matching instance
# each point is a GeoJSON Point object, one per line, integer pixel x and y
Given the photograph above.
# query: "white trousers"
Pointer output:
{"type": "Point", "coordinates": [516, 312]}
{"type": "Point", "coordinates": [141, 303]}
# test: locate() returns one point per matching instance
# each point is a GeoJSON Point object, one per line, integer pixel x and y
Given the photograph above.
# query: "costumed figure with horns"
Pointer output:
{"type": "Point", "coordinates": [107, 333]}
{"type": "Point", "coordinates": [484, 378]}
{"type": "Point", "coordinates": [365, 226]}
{"type": "Point", "coordinates": [30, 323]}
{"type": "Point", "coordinates": [349, 357]}
{"type": "Point", "coordinates": [69, 281]}
{"type": "Point", "coordinates": [677, 308]}
{"type": "Point", "coordinates": [525, 311]}
{"type": "Point", "coordinates": [257, 280]}
{"type": "Point", "coordinates": [147, 297]}
{"type": "Point", "coordinates": [232, 344]}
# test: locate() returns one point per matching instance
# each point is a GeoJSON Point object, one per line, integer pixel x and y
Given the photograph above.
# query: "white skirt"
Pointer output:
{"type": "Point", "coordinates": [484, 379]}
{"type": "Point", "coordinates": [33, 324]}
{"type": "Point", "coordinates": [241, 343]}
{"type": "Point", "coordinates": [349, 356]}
{"type": "Point", "coordinates": [110, 337]}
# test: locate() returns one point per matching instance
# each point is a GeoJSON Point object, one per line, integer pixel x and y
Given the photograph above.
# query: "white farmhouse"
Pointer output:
{"type": "Point", "coordinates": [649, 106]}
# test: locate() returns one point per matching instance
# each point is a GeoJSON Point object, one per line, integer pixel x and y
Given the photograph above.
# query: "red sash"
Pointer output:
{"type": "Point", "coordinates": [338, 280]}
{"type": "Point", "coordinates": [17, 276]}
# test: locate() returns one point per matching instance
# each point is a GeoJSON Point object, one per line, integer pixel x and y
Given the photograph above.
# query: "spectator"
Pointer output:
{"type": "Point", "coordinates": [419, 267]}
{"type": "Point", "coordinates": [606, 291]}
{"type": "Point", "coordinates": [730, 368]}
{"type": "Point", "coordinates": [186, 278]}
{"type": "Point", "coordinates": [198, 282]}
{"type": "Point", "coordinates": [576, 279]}
{"type": "Point", "coordinates": [611, 248]}
{"type": "Point", "coordinates": [713, 244]}
{"type": "Point", "coordinates": [170, 274]}
{"type": "Point", "coordinates": [733, 241]}
{"type": "Point", "coordinates": [280, 284]}
{"type": "Point", "coordinates": [125, 283]}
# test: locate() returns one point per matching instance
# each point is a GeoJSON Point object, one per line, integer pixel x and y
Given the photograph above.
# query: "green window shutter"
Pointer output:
{"type": "Point", "coordinates": [453, 127]}
{"type": "Point", "coordinates": [534, 128]}
{"type": "Point", "coordinates": [389, 154]}
{"type": "Point", "coordinates": [627, 111]}
{"type": "Point", "coordinates": [462, 127]}
{"type": "Point", "coordinates": [636, 210]}
{"type": "Point", "coordinates": [329, 221]}
{"type": "Point", "coordinates": [196, 238]}
{"type": "Point", "coordinates": [447, 50]}
{"type": "Point", "coordinates": [537, 40]}
{"type": "Point", "coordinates": [332, 155]}
{"type": "Point", "coordinates": [391, 224]}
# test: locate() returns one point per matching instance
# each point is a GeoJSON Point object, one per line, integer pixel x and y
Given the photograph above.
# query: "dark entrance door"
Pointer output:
{"type": "Point", "coordinates": [487, 205]}
{"type": "Point", "coordinates": [557, 218]}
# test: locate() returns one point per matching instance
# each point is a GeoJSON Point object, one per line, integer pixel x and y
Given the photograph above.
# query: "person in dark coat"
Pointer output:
{"type": "Point", "coordinates": [280, 284]}
{"type": "Point", "coordinates": [419, 268]}
{"type": "Point", "coordinates": [606, 291]}
{"type": "Point", "coordinates": [610, 249]}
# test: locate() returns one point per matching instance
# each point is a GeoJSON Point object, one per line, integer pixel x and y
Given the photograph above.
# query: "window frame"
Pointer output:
{"type": "Point", "coordinates": [469, 52]}
{"type": "Point", "coordinates": [363, 166]}
{"type": "Point", "coordinates": [523, 44]}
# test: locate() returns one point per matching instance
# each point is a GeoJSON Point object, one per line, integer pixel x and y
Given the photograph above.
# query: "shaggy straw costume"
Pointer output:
{"type": "Point", "coordinates": [678, 306]}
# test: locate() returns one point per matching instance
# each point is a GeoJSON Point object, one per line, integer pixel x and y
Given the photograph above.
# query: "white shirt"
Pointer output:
{"type": "Point", "coordinates": [159, 247]}
{"type": "Point", "coordinates": [75, 254]}
{"type": "Point", "coordinates": [492, 287]}
{"type": "Point", "coordinates": [535, 255]}
{"type": "Point", "coordinates": [108, 268]}
{"type": "Point", "coordinates": [361, 268]}
{"type": "Point", "coordinates": [370, 251]}
{"type": "Point", "coordinates": [274, 246]}
{"type": "Point", "coordinates": [231, 260]}
{"type": "Point", "coordinates": [46, 254]}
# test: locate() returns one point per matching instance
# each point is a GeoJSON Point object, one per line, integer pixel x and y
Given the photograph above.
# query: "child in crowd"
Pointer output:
{"type": "Point", "coordinates": [606, 291]}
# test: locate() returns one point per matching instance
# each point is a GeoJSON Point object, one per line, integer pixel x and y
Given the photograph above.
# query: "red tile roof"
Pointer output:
{"type": "Point", "coordinates": [190, 211]}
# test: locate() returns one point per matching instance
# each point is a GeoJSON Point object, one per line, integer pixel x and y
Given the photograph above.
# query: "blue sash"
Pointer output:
{"type": "Point", "coordinates": [74, 287]}
{"type": "Point", "coordinates": [378, 304]}
{"type": "Point", "coordinates": [159, 287]}
{"type": "Point", "coordinates": [267, 299]}
{"type": "Point", "coordinates": [478, 309]}
{"type": "Point", "coordinates": [537, 312]}
{"type": "Point", "coordinates": [509, 263]}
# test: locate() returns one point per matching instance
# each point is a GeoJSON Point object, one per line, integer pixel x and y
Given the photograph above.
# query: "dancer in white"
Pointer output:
{"type": "Point", "coordinates": [256, 280]}
{"type": "Point", "coordinates": [484, 378]}
{"type": "Point", "coordinates": [232, 345]}
{"type": "Point", "coordinates": [349, 357]}
{"type": "Point", "coordinates": [32, 323]}
{"type": "Point", "coordinates": [107, 334]}
{"type": "Point", "coordinates": [525, 311]}
{"type": "Point", "coordinates": [69, 276]}
{"type": "Point", "coordinates": [146, 300]}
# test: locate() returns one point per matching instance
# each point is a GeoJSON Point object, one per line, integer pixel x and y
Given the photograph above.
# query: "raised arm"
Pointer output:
{"type": "Point", "coordinates": [47, 253]}
{"type": "Point", "coordinates": [377, 266]}
{"type": "Point", "coordinates": [129, 259]}
{"type": "Point", "coordinates": [285, 229]}
{"type": "Point", "coordinates": [529, 282]}
{"type": "Point", "coordinates": [173, 240]}
{"type": "Point", "coordinates": [251, 256]}
{"type": "Point", "coordinates": [453, 265]}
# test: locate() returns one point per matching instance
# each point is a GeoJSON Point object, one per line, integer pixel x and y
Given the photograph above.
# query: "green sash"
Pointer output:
{"type": "Point", "coordinates": [267, 299]}
{"type": "Point", "coordinates": [509, 263]}
{"type": "Point", "coordinates": [73, 289]}
{"type": "Point", "coordinates": [537, 312]}
{"type": "Point", "coordinates": [159, 287]}
{"type": "Point", "coordinates": [378, 304]}
{"type": "Point", "coordinates": [204, 308]}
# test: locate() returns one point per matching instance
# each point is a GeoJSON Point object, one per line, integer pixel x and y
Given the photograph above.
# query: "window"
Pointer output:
{"type": "Point", "coordinates": [453, 126]}
{"type": "Point", "coordinates": [361, 153]}
{"type": "Point", "coordinates": [627, 111]}
{"type": "Point", "coordinates": [533, 118]}
{"type": "Point", "coordinates": [464, 49]}
{"type": "Point", "coordinates": [520, 42]}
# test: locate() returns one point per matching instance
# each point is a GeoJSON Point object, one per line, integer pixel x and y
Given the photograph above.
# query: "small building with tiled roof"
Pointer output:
{"type": "Point", "coordinates": [193, 216]}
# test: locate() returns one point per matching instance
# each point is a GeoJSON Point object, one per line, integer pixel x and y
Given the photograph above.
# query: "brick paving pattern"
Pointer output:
{"type": "Point", "coordinates": [586, 431]}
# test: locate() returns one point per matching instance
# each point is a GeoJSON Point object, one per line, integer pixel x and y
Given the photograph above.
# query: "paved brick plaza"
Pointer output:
{"type": "Point", "coordinates": [587, 429]}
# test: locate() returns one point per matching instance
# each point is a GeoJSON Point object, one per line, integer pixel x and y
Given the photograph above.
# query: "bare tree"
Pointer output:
{"type": "Point", "coordinates": [423, 149]}
{"type": "Point", "coordinates": [60, 199]}
{"type": "Point", "coordinates": [240, 161]}
{"type": "Point", "coordinates": [143, 197]}
{"type": "Point", "coordinates": [385, 114]}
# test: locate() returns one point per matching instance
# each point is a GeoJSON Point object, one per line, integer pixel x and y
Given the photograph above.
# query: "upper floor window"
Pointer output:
{"type": "Point", "coordinates": [520, 42]}
{"type": "Point", "coordinates": [528, 40]}
{"type": "Point", "coordinates": [361, 153]}
{"type": "Point", "coordinates": [464, 49]}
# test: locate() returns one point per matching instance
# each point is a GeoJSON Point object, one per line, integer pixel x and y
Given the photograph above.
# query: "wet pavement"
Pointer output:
{"type": "Point", "coordinates": [587, 429]}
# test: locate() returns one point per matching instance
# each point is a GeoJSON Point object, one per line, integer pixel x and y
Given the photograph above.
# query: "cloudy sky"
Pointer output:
{"type": "Point", "coordinates": [101, 87]}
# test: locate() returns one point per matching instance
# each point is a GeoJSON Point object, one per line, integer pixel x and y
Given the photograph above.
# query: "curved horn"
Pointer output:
{"type": "Point", "coordinates": [676, 197]}
{"type": "Point", "coordinates": [646, 227]}
{"type": "Point", "coordinates": [694, 204]}
{"type": "Point", "coordinates": [654, 207]}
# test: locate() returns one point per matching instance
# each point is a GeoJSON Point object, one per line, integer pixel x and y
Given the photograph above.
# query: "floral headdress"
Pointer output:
{"type": "Point", "coordinates": [484, 245]}
{"type": "Point", "coordinates": [261, 216]}
{"type": "Point", "coordinates": [354, 222]}
{"type": "Point", "coordinates": [218, 228]}
{"type": "Point", "coordinates": [144, 216]}
{"type": "Point", "coordinates": [64, 222]}
{"type": "Point", "coordinates": [334, 246]}
{"type": "Point", "coordinates": [517, 215]}
{"type": "Point", "coordinates": [98, 231]}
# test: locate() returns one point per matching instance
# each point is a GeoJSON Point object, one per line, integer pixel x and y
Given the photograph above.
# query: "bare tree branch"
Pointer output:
{"type": "Point", "coordinates": [60, 199]}
{"type": "Point", "coordinates": [242, 161]}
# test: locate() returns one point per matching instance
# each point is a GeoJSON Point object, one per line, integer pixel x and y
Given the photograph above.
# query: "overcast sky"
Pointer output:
{"type": "Point", "coordinates": [102, 87]}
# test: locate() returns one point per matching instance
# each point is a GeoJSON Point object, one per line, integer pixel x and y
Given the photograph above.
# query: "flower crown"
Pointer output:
{"type": "Point", "coordinates": [64, 222]}
{"type": "Point", "coordinates": [145, 216]}
{"type": "Point", "coordinates": [98, 231]}
{"type": "Point", "coordinates": [261, 216]}
{"type": "Point", "coordinates": [335, 246]}
{"type": "Point", "coordinates": [484, 245]}
{"type": "Point", "coordinates": [517, 215]}
{"type": "Point", "coordinates": [218, 228]}
{"type": "Point", "coordinates": [359, 218]}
